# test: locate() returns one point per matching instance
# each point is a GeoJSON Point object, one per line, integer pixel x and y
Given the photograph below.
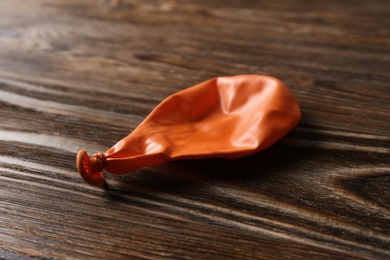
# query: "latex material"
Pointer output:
{"type": "Point", "coordinates": [224, 117]}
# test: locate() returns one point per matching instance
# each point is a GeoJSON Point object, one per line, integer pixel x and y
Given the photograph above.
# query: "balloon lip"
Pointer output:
{"type": "Point", "coordinates": [83, 162]}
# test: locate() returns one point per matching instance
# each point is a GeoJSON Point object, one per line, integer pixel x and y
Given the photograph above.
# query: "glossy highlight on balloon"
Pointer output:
{"type": "Point", "coordinates": [224, 117]}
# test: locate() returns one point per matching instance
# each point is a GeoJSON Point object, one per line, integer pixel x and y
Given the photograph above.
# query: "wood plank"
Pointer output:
{"type": "Point", "coordinates": [83, 74]}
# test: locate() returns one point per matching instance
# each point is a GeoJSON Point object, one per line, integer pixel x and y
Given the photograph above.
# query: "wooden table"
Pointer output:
{"type": "Point", "coordinates": [83, 74]}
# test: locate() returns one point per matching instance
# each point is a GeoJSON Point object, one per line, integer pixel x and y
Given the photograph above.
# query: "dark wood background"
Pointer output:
{"type": "Point", "coordinates": [83, 74]}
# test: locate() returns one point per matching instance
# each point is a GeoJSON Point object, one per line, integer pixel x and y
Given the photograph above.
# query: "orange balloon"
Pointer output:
{"type": "Point", "coordinates": [224, 117]}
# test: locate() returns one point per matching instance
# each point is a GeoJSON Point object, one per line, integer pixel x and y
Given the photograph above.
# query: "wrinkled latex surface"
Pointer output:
{"type": "Point", "coordinates": [224, 117]}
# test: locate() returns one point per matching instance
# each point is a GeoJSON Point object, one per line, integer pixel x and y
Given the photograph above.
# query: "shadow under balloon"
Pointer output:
{"type": "Point", "coordinates": [191, 178]}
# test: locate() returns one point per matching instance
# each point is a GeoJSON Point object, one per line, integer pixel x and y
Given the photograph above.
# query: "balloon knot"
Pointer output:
{"type": "Point", "coordinates": [98, 161]}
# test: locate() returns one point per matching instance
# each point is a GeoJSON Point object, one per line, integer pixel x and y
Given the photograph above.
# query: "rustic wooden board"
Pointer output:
{"type": "Point", "coordinates": [83, 74]}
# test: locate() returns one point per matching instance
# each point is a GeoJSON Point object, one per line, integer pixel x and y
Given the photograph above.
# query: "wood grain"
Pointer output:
{"type": "Point", "coordinates": [83, 74]}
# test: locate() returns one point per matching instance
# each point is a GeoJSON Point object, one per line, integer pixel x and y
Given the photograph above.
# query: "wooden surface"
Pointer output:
{"type": "Point", "coordinates": [83, 74]}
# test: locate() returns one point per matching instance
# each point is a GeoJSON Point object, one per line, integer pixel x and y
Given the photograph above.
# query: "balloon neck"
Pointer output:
{"type": "Point", "coordinates": [91, 169]}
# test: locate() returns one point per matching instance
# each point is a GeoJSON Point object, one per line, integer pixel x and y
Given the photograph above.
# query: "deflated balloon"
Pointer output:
{"type": "Point", "coordinates": [224, 117]}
